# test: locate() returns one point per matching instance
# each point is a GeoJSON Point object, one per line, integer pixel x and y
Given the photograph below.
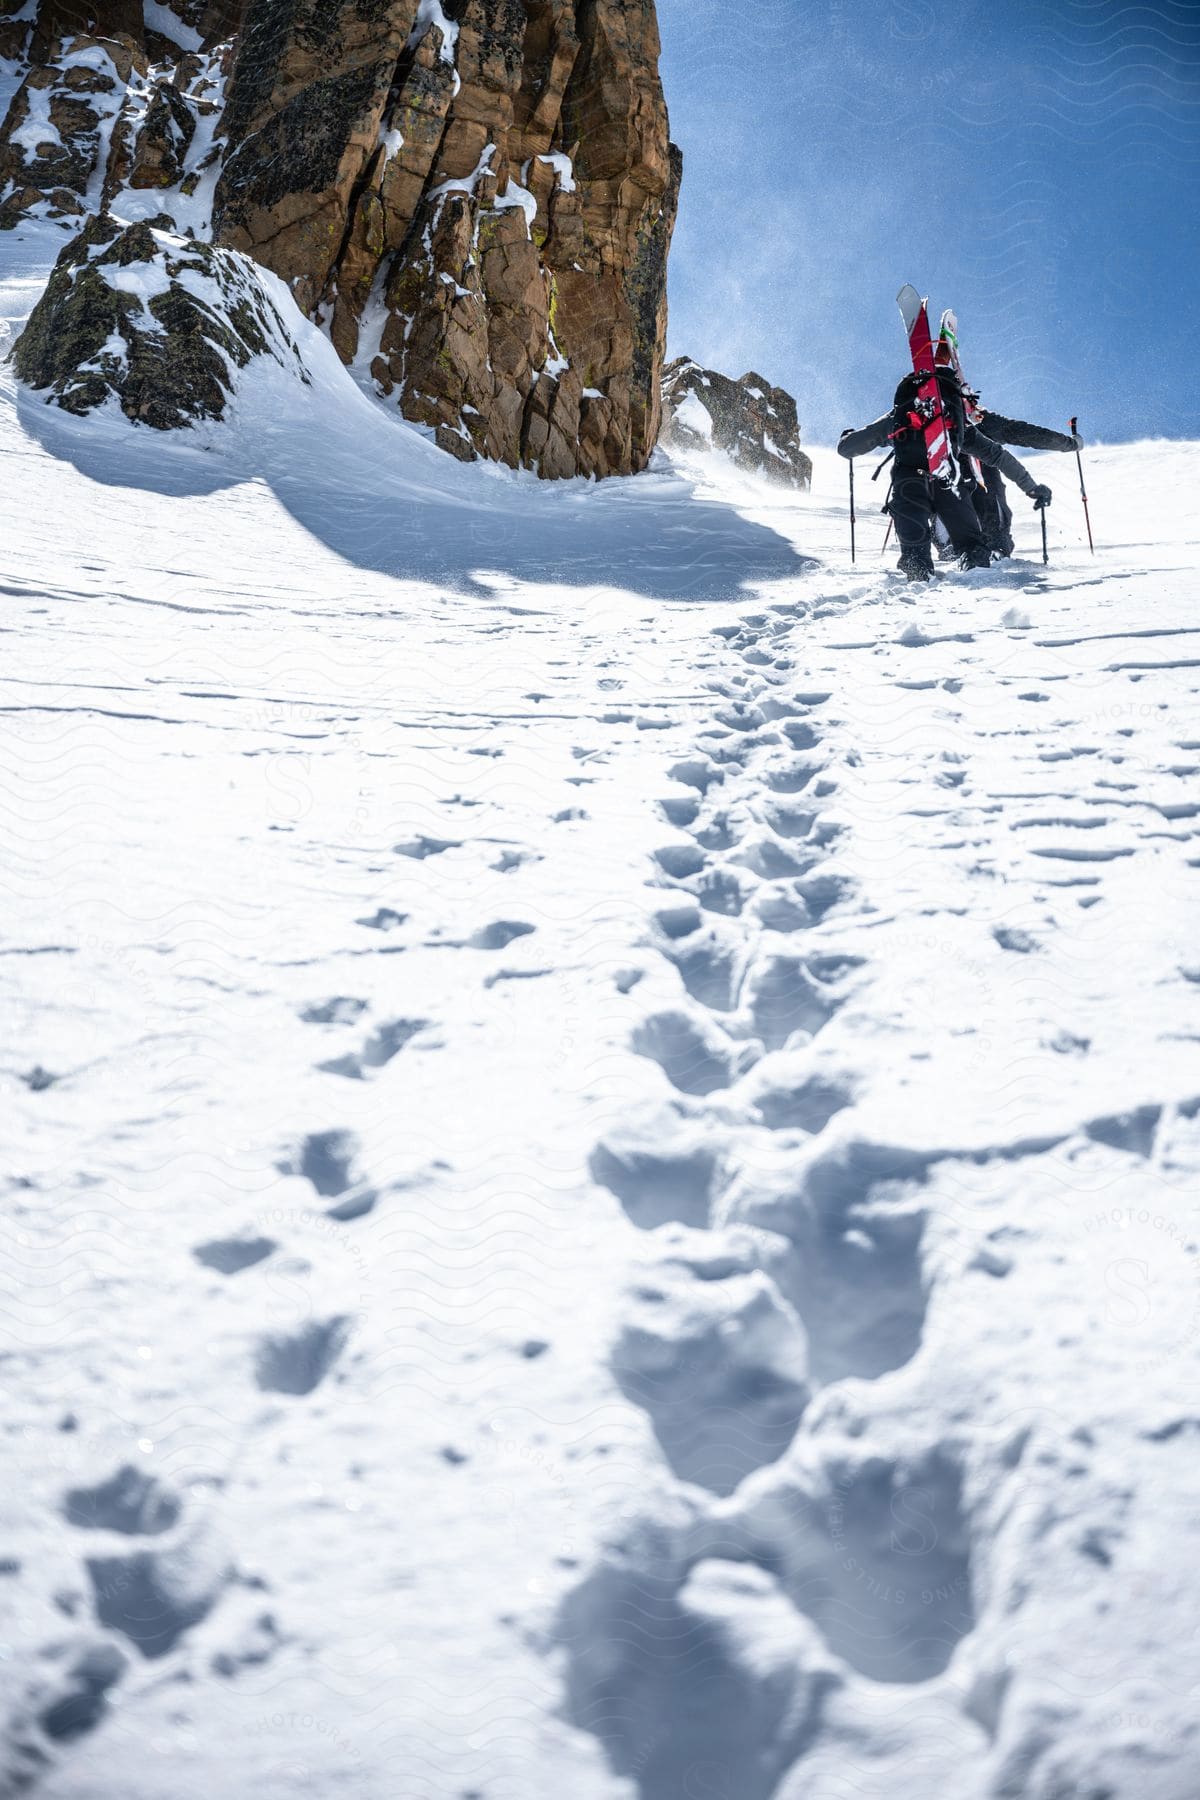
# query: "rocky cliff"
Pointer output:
{"type": "Point", "coordinates": [754, 423]}
{"type": "Point", "coordinates": [474, 197]}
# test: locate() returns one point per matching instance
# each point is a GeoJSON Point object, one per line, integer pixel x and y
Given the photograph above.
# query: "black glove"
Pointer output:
{"type": "Point", "coordinates": [1040, 496]}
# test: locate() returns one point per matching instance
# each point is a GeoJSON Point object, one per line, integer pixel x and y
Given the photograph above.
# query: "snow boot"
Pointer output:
{"type": "Point", "coordinates": [980, 557]}
{"type": "Point", "coordinates": [916, 565]}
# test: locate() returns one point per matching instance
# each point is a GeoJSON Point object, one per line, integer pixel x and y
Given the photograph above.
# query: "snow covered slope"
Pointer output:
{"type": "Point", "coordinates": [603, 1122]}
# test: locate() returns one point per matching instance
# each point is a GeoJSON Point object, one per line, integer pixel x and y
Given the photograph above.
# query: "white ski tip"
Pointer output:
{"type": "Point", "coordinates": [911, 305]}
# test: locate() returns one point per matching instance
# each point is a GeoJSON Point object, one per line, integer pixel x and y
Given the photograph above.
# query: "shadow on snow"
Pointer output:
{"type": "Point", "coordinates": [383, 497]}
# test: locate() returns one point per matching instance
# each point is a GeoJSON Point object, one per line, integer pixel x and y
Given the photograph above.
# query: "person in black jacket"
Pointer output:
{"type": "Point", "coordinates": [915, 499]}
{"type": "Point", "coordinates": [991, 501]}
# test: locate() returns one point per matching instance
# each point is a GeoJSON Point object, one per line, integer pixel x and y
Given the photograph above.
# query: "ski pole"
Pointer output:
{"type": "Point", "coordinates": [853, 549]}
{"type": "Point", "coordinates": [1045, 550]}
{"type": "Point", "coordinates": [1083, 490]}
{"type": "Point", "coordinates": [887, 537]}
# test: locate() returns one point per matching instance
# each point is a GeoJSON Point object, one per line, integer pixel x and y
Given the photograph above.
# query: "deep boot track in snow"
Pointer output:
{"type": "Point", "coordinates": [606, 1113]}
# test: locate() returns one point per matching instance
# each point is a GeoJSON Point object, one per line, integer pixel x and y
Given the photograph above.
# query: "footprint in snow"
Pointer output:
{"type": "Point", "coordinates": [1010, 937]}
{"type": "Point", "coordinates": [821, 893]}
{"type": "Point", "coordinates": [130, 1501]}
{"type": "Point", "coordinates": [1133, 1131]}
{"type": "Point", "coordinates": [340, 1010]}
{"type": "Point", "coordinates": [693, 1060]}
{"type": "Point", "coordinates": [327, 1160]}
{"type": "Point", "coordinates": [229, 1256]}
{"type": "Point", "coordinates": [680, 813]}
{"type": "Point", "coordinates": [499, 934]}
{"type": "Point", "coordinates": [384, 919]}
{"type": "Point", "coordinates": [709, 967]}
{"type": "Point", "coordinates": [659, 1672]}
{"type": "Point", "coordinates": [678, 921]}
{"type": "Point", "coordinates": [719, 1365]}
{"type": "Point", "coordinates": [716, 834]}
{"type": "Point", "coordinates": [680, 860]}
{"type": "Point", "coordinates": [297, 1362]}
{"type": "Point", "coordinates": [508, 860]}
{"type": "Point", "coordinates": [783, 996]}
{"type": "Point", "coordinates": [720, 891]}
{"type": "Point", "coordinates": [661, 1167]}
{"type": "Point", "coordinates": [421, 847]}
{"type": "Point", "coordinates": [80, 1702]}
{"type": "Point", "coordinates": [806, 1102]}
{"type": "Point", "coordinates": [696, 772]}
{"type": "Point", "coordinates": [789, 821]}
{"type": "Point", "coordinates": [154, 1596]}
{"type": "Point", "coordinates": [376, 1052]}
{"type": "Point", "coordinates": [780, 911]}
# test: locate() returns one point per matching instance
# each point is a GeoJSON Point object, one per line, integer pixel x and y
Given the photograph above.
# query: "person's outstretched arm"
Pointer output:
{"type": "Point", "coordinates": [1026, 436]}
{"type": "Point", "coordinates": [994, 456]}
{"type": "Point", "coordinates": [870, 437]}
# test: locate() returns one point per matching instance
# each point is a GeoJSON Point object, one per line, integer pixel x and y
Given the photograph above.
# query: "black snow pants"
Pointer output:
{"type": "Point", "coordinates": [995, 514]}
{"type": "Point", "coordinates": [914, 502]}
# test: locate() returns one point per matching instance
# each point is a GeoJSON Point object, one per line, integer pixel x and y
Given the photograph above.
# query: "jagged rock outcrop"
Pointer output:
{"type": "Point", "coordinates": [755, 423]}
{"type": "Point", "coordinates": [161, 324]}
{"type": "Point", "coordinates": [57, 132]}
{"type": "Point", "coordinates": [15, 29]}
{"type": "Point", "coordinates": [474, 198]}
{"type": "Point", "coordinates": [478, 200]}
{"type": "Point", "coordinates": [109, 106]}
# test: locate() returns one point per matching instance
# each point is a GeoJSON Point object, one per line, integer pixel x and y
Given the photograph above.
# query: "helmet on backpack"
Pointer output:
{"type": "Point", "coordinates": [951, 388]}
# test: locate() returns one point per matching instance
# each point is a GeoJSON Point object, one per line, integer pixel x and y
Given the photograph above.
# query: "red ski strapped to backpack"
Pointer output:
{"type": "Point", "coordinates": [930, 414]}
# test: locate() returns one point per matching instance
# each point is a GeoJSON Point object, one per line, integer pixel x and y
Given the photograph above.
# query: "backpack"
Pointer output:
{"type": "Point", "coordinates": [908, 431]}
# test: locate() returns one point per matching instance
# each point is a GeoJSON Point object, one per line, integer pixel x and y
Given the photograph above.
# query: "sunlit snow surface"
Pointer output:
{"type": "Point", "coordinates": [602, 1119]}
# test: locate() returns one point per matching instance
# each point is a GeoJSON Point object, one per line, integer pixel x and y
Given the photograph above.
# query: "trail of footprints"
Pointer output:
{"type": "Point", "coordinates": [177, 1568]}
{"type": "Point", "coordinates": [778, 1264]}
{"type": "Point", "coordinates": [783, 1256]}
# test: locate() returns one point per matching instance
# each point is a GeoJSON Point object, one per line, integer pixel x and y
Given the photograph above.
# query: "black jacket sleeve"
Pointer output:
{"type": "Point", "coordinates": [871, 437]}
{"type": "Point", "coordinates": [995, 456]}
{"type": "Point", "coordinates": [1026, 437]}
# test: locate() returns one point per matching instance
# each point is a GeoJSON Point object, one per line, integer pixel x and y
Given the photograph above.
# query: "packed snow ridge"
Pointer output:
{"type": "Point", "coordinates": [604, 1121]}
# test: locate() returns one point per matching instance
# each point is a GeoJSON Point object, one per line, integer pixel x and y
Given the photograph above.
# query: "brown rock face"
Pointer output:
{"type": "Point", "coordinates": [60, 119]}
{"type": "Point", "coordinates": [755, 423]}
{"type": "Point", "coordinates": [477, 198]}
{"type": "Point", "coordinates": [107, 106]}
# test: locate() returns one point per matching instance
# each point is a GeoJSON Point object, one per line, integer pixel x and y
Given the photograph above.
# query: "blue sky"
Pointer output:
{"type": "Point", "coordinates": [1035, 166]}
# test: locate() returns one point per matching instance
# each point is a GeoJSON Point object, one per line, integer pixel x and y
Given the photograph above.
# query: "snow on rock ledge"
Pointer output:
{"type": "Point", "coordinates": [756, 424]}
{"type": "Point", "coordinates": [162, 324]}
